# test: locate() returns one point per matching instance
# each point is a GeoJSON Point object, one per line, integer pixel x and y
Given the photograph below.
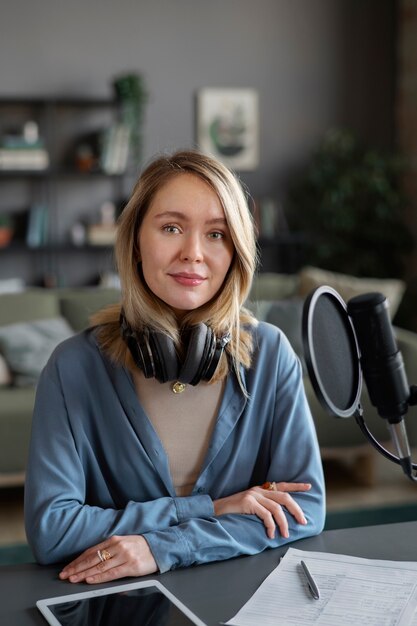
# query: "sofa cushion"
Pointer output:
{"type": "Point", "coordinates": [349, 286]}
{"type": "Point", "coordinates": [273, 286]}
{"type": "Point", "coordinates": [285, 314]}
{"type": "Point", "coordinates": [27, 346]}
{"type": "Point", "coordinates": [25, 306]}
{"type": "Point", "coordinates": [77, 305]}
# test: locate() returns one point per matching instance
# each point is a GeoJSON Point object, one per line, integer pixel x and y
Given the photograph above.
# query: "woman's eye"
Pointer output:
{"type": "Point", "coordinates": [216, 235]}
{"type": "Point", "coordinates": [171, 228]}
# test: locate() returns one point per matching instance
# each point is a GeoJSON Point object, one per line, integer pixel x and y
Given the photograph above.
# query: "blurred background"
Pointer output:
{"type": "Point", "coordinates": [90, 91]}
{"type": "Point", "coordinates": [315, 66]}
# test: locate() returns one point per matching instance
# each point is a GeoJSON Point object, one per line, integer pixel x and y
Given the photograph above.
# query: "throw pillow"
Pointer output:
{"type": "Point", "coordinates": [273, 286]}
{"type": "Point", "coordinates": [27, 346]}
{"type": "Point", "coordinates": [287, 315]}
{"type": "Point", "coordinates": [349, 286]}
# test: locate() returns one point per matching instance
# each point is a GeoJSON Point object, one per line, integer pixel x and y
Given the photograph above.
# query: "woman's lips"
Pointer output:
{"type": "Point", "coordinates": [189, 280]}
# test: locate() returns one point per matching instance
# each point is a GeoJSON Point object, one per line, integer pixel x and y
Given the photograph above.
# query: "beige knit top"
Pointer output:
{"type": "Point", "coordinates": [184, 423]}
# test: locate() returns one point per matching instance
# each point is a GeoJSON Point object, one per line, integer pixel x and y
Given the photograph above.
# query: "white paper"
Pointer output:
{"type": "Point", "coordinates": [352, 591]}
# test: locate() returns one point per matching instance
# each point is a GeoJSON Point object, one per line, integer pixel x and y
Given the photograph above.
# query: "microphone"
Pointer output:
{"type": "Point", "coordinates": [382, 367]}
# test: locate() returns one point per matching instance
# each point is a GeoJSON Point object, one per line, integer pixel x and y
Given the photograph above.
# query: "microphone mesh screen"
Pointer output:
{"type": "Point", "coordinates": [335, 352]}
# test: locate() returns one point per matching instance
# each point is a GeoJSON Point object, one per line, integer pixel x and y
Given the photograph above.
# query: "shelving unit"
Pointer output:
{"type": "Point", "coordinates": [284, 253]}
{"type": "Point", "coordinates": [66, 193]}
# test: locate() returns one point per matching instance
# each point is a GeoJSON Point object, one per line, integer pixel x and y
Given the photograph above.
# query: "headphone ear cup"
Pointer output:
{"type": "Point", "coordinates": [138, 346]}
{"type": "Point", "coordinates": [155, 354]}
{"type": "Point", "coordinates": [200, 347]}
{"type": "Point", "coordinates": [166, 364]}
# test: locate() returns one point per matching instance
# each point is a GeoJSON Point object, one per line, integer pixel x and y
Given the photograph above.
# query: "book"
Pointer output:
{"type": "Point", "coordinates": [36, 235]}
{"type": "Point", "coordinates": [24, 159]}
{"type": "Point", "coordinates": [115, 144]}
{"type": "Point", "coordinates": [19, 142]}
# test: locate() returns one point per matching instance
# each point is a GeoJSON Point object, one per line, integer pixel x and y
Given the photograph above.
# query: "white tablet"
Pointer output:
{"type": "Point", "coordinates": [142, 603]}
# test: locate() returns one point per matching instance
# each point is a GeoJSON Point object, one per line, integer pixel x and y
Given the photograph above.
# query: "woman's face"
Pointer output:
{"type": "Point", "coordinates": [185, 244]}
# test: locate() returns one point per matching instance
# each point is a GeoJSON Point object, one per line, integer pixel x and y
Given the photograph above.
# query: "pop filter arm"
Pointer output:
{"type": "Point", "coordinates": [340, 352]}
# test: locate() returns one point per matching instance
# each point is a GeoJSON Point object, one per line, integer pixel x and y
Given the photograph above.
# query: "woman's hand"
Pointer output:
{"type": "Point", "coordinates": [266, 504]}
{"type": "Point", "coordinates": [114, 558]}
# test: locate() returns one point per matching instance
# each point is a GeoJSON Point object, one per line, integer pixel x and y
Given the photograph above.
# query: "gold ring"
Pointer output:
{"type": "Point", "coordinates": [106, 555]}
{"type": "Point", "coordinates": [103, 555]}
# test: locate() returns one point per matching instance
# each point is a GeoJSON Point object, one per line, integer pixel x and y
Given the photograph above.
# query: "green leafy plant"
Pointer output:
{"type": "Point", "coordinates": [350, 205]}
{"type": "Point", "coordinates": [132, 96]}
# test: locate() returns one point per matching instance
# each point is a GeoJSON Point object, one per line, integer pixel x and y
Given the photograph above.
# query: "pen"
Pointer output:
{"type": "Point", "coordinates": [314, 590]}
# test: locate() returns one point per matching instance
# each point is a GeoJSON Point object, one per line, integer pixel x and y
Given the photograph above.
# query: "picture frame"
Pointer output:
{"type": "Point", "coordinates": [228, 126]}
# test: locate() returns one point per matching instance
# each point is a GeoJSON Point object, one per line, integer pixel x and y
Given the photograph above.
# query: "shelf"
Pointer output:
{"type": "Point", "coordinates": [58, 173]}
{"type": "Point", "coordinates": [282, 239]}
{"type": "Point", "coordinates": [20, 247]}
{"type": "Point", "coordinates": [284, 252]}
{"type": "Point", "coordinates": [59, 101]}
{"type": "Point", "coordinates": [23, 173]}
{"type": "Point", "coordinates": [69, 247]}
{"type": "Point", "coordinates": [59, 195]}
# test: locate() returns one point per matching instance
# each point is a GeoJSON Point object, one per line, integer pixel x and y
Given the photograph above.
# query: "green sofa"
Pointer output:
{"type": "Point", "coordinates": [274, 297]}
{"type": "Point", "coordinates": [16, 402]}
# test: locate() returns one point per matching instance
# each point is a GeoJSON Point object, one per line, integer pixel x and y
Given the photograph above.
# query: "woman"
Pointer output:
{"type": "Point", "coordinates": [155, 430]}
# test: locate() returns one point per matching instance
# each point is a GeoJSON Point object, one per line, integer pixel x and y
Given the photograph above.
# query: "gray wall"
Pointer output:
{"type": "Point", "coordinates": [315, 63]}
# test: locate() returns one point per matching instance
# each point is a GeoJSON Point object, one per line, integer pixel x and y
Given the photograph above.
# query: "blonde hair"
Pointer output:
{"type": "Point", "coordinates": [142, 308]}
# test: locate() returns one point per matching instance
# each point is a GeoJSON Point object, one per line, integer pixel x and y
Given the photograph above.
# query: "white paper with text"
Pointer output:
{"type": "Point", "coordinates": [352, 591]}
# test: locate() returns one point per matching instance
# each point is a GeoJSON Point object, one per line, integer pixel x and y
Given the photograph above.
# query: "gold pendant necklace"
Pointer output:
{"type": "Point", "coordinates": [178, 387]}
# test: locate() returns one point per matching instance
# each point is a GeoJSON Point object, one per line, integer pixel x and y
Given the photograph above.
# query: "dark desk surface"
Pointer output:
{"type": "Point", "coordinates": [214, 592]}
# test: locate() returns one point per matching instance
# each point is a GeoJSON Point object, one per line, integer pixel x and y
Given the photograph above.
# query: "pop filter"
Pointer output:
{"type": "Point", "coordinates": [340, 343]}
{"type": "Point", "coordinates": [331, 352]}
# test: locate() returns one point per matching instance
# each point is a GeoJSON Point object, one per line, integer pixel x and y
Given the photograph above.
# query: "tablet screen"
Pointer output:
{"type": "Point", "coordinates": [121, 606]}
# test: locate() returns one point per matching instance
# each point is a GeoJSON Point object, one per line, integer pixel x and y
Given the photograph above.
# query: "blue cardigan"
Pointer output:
{"type": "Point", "coordinates": [97, 468]}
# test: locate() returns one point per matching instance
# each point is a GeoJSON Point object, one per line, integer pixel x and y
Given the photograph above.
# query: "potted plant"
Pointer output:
{"type": "Point", "coordinates": [132, 96]}
{"type": "Point", "coordinates": [350, 205]}
{"type": "Point", "coordinates": [6, 229]}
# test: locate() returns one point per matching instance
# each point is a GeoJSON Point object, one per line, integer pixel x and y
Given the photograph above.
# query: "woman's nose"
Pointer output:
{"type": "Point", "coordinates": [191, 249]}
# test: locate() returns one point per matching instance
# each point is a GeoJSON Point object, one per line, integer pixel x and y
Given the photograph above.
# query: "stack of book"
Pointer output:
{"type": "Point", "coordinates": [23, 159]}
{"type": "Point", "coordinates": [23, 151]}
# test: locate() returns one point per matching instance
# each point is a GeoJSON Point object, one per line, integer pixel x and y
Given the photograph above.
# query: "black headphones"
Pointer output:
{"type": "Point", "coordinates": [155, 354]}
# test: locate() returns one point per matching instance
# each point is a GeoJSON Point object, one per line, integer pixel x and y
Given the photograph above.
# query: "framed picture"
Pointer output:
{"type": "Point", "coordinates": [228, 126]}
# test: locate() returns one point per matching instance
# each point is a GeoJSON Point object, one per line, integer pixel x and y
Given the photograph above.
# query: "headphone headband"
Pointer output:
{"type": "Point", "coordinates": [155, 353]}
